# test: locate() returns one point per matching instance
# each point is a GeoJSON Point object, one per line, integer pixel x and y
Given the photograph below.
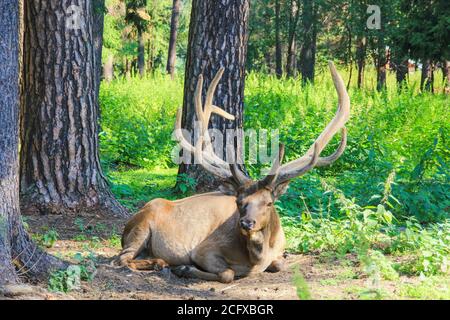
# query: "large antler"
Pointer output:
{"type": "Point", "coordinates": [203, 150]}
{"type": "Point", "coordinates": [311, 159]}
{"type": "Point", "coordinates": [279, 173]}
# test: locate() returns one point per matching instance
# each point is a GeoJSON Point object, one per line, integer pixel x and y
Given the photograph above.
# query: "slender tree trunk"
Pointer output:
{"type": "Point", "coordinates": [127, 68]}
{"type": "Point", "coordinates": [19, 256]}
{"type": "Point", "coordinates": [400, 65]}
{"type": "Point", "coordinates": [141, 52]}
{"type": "Point", "coordinates": [292, 44]}
{"type": "Point", "coordinates": [171, 59]}
{"type": "Point", "coordinates": [60, 169]}
{"type": "Point", "coordinates": [349, 56]}
{"type": "Point", "coordinates": [446, 75]}
{"type": "Point", "coordinates": [381, 62]}
{"type": "Point", "coordinates": [361, 60]}
{"type": "Point", "coordinates": [108, 69]}
{"type": "Point", "coordinates": [217, 38]}
{"type": "Point", "coordinates": [427, 78]}
{"type": "Point", "coordinates": [308, 52]}
{"type": "Point", "coordinates": [278, 52]}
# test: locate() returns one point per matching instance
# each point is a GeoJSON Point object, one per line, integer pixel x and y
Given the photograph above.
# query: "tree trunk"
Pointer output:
{"type": "Point", "coordinates": [292, 45]}
{"type": "Point", "coordinates": [171, 59]}
{"type": "Point", "coordinates": [400, 65]}
{"type": "Point", "coordinates": [97, 30]}
{"type": "Point", "coordinates": [141, 52]}
{"type": "Point", "coordinates": [278, 53]}
{"type": "Point", "coordinates": [427, 78]}
{"type": "Point", "coordinates": [108, 69]}
{"type": "Point", "coordinates": [60, 169]}
{"type": "Point", "coordinates": [19, 256]}
{"type": "Point", "coordinates": [217, 38]}
{"type": "Point", "coordinates": [381, 62]}
{"type": "Point", "coordinates": [361, 60]}
{"type": "Point", "coordinates": [308, 52]}
{"type": "Point", "coordinates": [446, 75]}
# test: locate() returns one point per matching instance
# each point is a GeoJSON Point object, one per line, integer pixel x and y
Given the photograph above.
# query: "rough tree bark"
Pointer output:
{"type": "Point", "coordinates": [60, 169]}
{"type": "Point", "coordinates": [308, 52]}
{"type": "Point", "coordinates": [19, 256]}
{"type": "Point", "coordinates": [97, 30]}
{"type": "Point", "coordinates": [217, 38]}
{"type": "Point", "coordinates": [278, 51]}
{"type": "Point", "coordinates": [172, 55]}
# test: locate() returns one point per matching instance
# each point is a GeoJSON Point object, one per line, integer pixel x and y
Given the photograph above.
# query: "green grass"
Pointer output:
{"type": "Point", "coordinates": [386, 201]}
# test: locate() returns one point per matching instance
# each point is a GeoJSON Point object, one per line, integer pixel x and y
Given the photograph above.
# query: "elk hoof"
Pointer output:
{"type": "Point", "coordinates": [182, 271]}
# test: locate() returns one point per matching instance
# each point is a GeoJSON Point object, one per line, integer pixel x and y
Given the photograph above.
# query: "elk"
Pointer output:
{"type": "Point", "coordinates": [231, 233]}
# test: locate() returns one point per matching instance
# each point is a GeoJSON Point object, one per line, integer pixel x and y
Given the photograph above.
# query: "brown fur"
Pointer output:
{"type": "Point", "coordinates": [200, 236]}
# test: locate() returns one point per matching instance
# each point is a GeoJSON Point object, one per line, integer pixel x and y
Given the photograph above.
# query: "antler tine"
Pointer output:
{"type": "Point", "coordinates": [203, 148]}
{"type": "Point", "coordinates": [298, 167]}
{"type": "Point", "coordinates": [208, 162]}
{"type": "Point", "coordinates": [274, 171]}
{"type": "Point", "coordinates": [325, 161]}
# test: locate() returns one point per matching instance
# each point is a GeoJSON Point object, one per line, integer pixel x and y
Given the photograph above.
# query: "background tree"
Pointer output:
{"type": "Point", "coordinates": [19, 256]}
{"type": "Point", "coordinates": [292, 38]}
{"type": "Point", "coordinates": [60, 169]}
{"type": "Point", "coordinates": [217, 38]}
{"type": "Point", "coordinates": [137, 15]}
{"type": "Point", "coordinates": [309, 31]}
{"type": "Point", "coordinates": [172, 55]}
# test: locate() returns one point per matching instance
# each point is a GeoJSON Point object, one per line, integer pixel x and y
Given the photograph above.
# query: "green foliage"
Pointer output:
{"type": "Point", "coordinates": [300, 283]}
{"type": "Point", "coordinates": [388, 193]}
{"type": "Point", "coordinates": [65, 280]}
{"type": "Point", "coordinates": [185, 183]}
{"type": "Point", "coordinates": [137, 121]}
{"type": "Point", "coordinates": [47, 239]}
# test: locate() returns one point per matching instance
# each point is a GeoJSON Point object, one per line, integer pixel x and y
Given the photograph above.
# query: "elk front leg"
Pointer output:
{"type": "Point", "coordinates": [148, 264]}
{"type": "Point", "coordinates": [277, 265]}
{"type": "Point", "coordinates": [226, 276]}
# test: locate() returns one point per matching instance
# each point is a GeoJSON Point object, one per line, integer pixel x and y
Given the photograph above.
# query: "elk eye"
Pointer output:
{"type": "Point", "coordinates": [270, 204]}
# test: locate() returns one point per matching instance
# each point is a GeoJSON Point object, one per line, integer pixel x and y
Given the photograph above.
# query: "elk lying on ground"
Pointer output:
{"type": "Point", "coordinates": [218, 236]}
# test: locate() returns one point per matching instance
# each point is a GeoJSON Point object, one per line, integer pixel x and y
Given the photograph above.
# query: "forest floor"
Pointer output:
{"type": "Point", "coordinates": [320, 276]}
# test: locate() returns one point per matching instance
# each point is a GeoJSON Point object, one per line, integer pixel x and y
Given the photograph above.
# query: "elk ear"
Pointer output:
{"type": "Point", "coordinates": [280, 189]}
{"type": "Point", "coordinates": [228, 189]}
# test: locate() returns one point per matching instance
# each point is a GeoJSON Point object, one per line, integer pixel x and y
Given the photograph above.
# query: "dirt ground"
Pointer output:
{"type": "Point", "coordinates": [326, 278]}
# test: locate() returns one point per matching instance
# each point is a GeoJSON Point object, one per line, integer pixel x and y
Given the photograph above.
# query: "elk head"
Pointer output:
{"type": "Point", "coordinates": [255, 199]}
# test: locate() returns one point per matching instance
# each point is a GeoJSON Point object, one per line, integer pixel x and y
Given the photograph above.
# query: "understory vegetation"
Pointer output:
{"type": "Point", "coordinates": [385, 202]}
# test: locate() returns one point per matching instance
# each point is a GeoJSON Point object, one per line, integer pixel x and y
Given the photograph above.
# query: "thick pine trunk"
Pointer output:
{"type": "Point", "coordinates": [60, 166]}
{"type": "Point", "coordinates": [19, 256]}
{"type": "Point", "coordinates": [97, 30]}
{"type": "Point", "coordinates": [217, 38]}
{"type": "Point", "coordinates": [361, 60]}
{"type": "Point", "coordinates": [172, 55]}
{"type": "Point", "coordinates": [278, 52]}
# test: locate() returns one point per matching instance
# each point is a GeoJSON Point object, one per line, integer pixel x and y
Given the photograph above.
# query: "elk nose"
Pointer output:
{"type": "Point", "coordinates": [247, 224]}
